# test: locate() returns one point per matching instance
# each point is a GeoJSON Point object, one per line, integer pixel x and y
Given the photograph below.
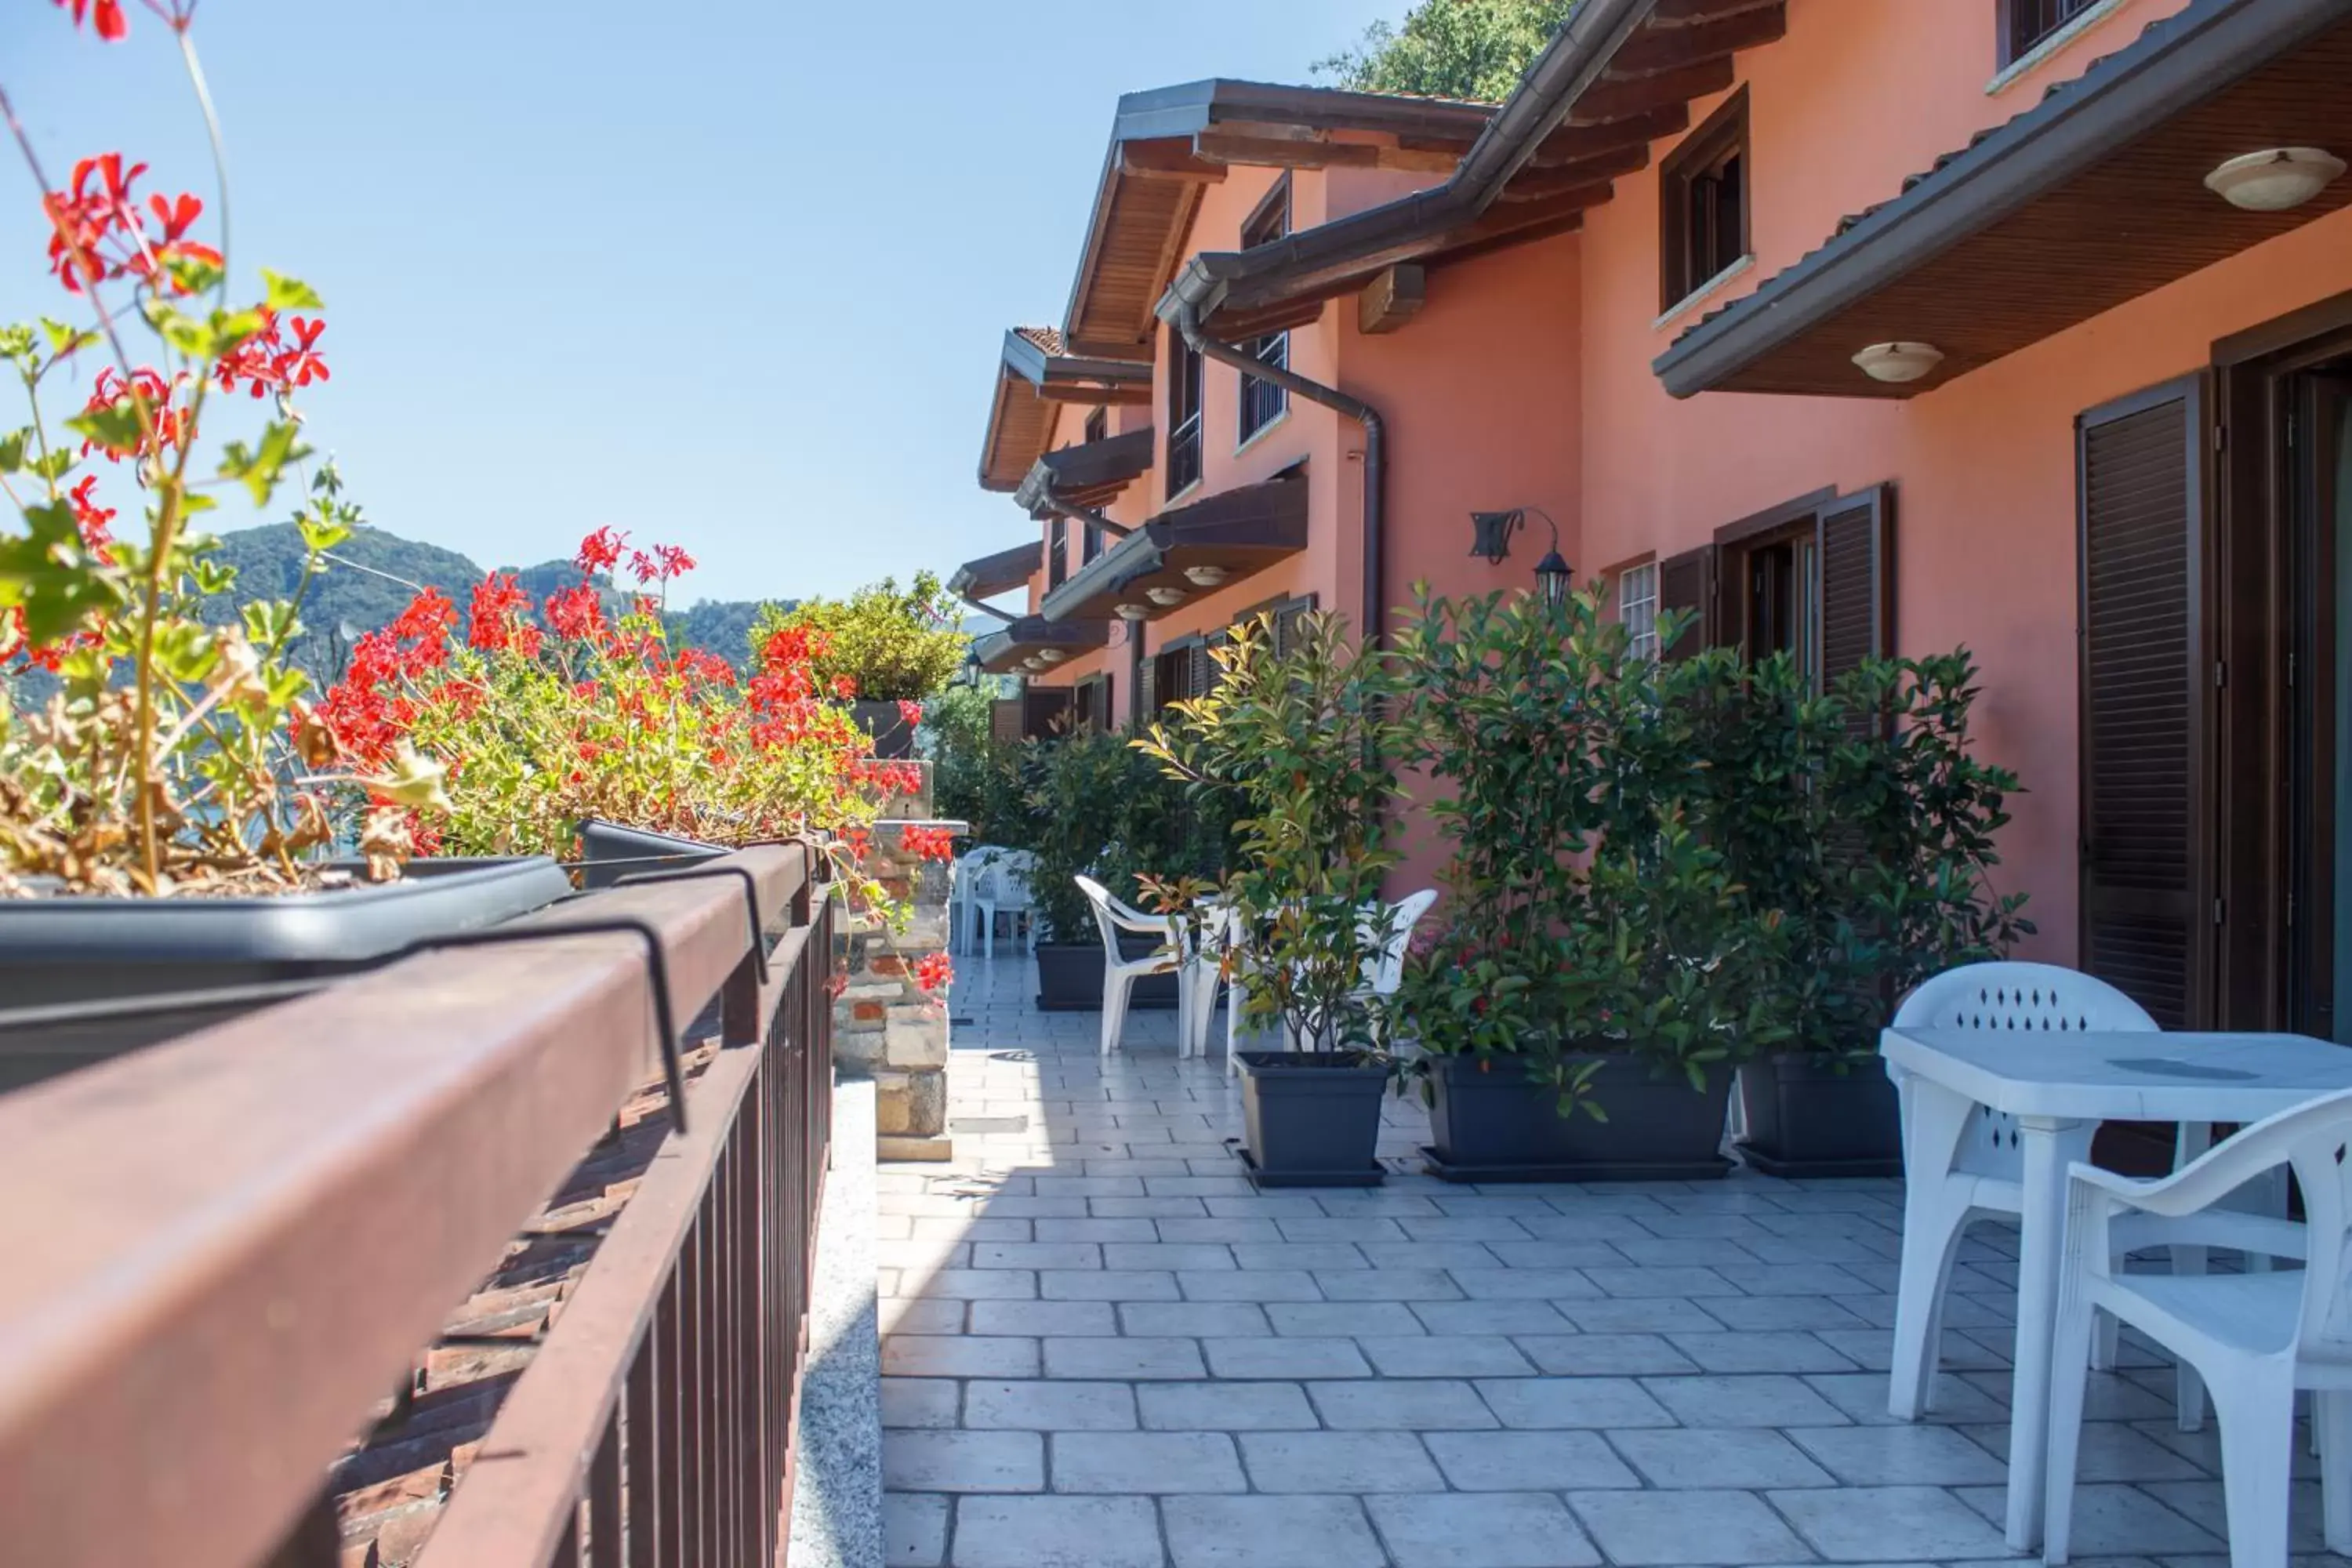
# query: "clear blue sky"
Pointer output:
{"type": "Point", "coordinates": [729, 274]}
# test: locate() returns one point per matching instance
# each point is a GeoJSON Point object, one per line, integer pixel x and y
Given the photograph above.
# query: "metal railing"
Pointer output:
{"type": "Point", "coordinates": [218, 1256]}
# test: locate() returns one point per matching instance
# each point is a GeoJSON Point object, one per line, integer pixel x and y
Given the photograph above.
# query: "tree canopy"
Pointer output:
{"type": "Point", "coordinates": [1475, 49]}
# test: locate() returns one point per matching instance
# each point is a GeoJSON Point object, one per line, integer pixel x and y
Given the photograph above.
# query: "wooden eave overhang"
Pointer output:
{"type": "Point", "coordinates": [2092, 198]}
{"type": "Point", "coordinates": [1619, 75]}
{"type": "Point", "coordinates": [1090, 474]}
{"type": "Point", "coordinates": [998, 574]}
{"type": "Point", "coordinates": [1001, 652]}
{"type": "Point", "coordinates": [1168, 145]}
{"type": "Point", "coordinates": [1035, 375]}
{"type": "Point", "coordinates": [1240, 531]}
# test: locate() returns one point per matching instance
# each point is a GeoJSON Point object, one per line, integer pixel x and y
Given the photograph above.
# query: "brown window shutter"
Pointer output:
{"type": "Point", "coordinates": [1004, 719]}
{"type": "Point", "coordinates": [1203, 673]}
{"type": "Point", "coordinates": [1854, 540]}
{"type": "Point", "coordinates": [2144, 694]}
{"type": "Point", "coordinates": [1687, 582]}
{"type": "Point", "coordinates": [1044, 707]}
{"type": "Point", "coordinates": [1146, 685]}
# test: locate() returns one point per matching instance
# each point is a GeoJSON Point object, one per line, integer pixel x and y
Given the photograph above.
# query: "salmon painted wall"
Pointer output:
{"type": "Point", "coordinates": [1984, 466]}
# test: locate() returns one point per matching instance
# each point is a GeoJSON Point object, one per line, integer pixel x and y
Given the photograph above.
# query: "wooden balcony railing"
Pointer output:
{"type": "Point", "coordinates": [219, 1256]}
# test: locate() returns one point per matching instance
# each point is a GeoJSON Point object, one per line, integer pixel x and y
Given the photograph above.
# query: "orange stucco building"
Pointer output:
{"type": "Point", "coordinates": [1852, 326]}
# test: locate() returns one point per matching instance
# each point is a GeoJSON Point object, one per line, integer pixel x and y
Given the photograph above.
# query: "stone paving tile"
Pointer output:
{"type": "Point", "coordinates": [1041, 1318]}
{"type": "Point", "coordinates": [1057, 1533]}
{"type": "Point", "coordinates": [1745, 1458]}
{"type": "Point", "coordinates": [1528, 1461]}
{"type": "Point", "coordinates": [1880, 1524]}
{"type": "Point", "coordinates": [1104, 1348]}
{"type": "Point", "coordinates": [1049, 1405]}
{"type": "Point", "coordinates": [964, 1462]}
{"type": "Point", "coordinates": [1124, 1359]}
{"type": "Point", "coordinates": [1155, 1463]}
{"type": "Point", "coordinates": [1286, 1358]}
{"type": "Point", "coordinates": [1444, 1355]}
{"type": "Point", "coordinates": [1401, 1404]}
{"type": "Point", "coordinates": [915, 1530]}
{"type": "Point", "coordinates": [1641, 1529]}
{"type": "Point", "coordinates": [1270, 1532]}
{"type": "Point", "coordinates": [1338, 1462]}
{"type": "Point", "coordinates": [920, 1402]}
{"type": "Point", "coordinates": [1225, 1408]}
{"type": "Point", "coordinates": [1492, 1531]}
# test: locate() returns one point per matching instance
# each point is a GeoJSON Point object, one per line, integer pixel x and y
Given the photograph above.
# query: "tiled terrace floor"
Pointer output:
{"type": "Point", "coordinates": [1104, 1350]}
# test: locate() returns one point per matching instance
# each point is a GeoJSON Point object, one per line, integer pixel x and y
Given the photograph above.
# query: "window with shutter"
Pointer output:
{"type": "Point", "coordinates": [1147, 687]}
{"type": "Point", "coordinates": [1004, 719]}
{"type": "Point", "coordinates": [2144, 926]}
{"type": "Point", "coordinates": [1853, 560]}
{"type": "Point", "coordinates": [1289, 620]}
{"type": "Point", "coordinates": [1686, 583]}
{"type": "Point", "coordinates": [1045, 710]}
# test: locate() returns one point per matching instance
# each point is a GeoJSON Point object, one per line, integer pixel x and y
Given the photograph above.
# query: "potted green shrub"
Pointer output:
{"type": "Point", "coordinates": [1310, 743]}
{"type": "Point", "coordinates": [177, 819]}
{"type": "Point", "coordinates": [1865, 820]}
{"type": "Point", "coordinates": [883, 650]}
{"type": "Point", "coordinates": [1600, 972]}
{"type": "Point", "coordinates": [1094, 807]}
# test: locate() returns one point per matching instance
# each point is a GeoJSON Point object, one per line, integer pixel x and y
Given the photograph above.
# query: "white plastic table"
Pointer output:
{"type": "Point", "coordinates": [2059, 1097]}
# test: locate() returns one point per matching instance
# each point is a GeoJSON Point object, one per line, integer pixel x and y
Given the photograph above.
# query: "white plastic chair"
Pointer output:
{"type": "Point", "coordinates": [2254, 1338]}
{"type": "Point", "coordinates": [1978, 1171]}
{"type": "Point", "coordinates": [1119, 974]}
{"type": "Point", "coordinates": [1003, 889]}
{"type": "Point", "coordinates": [1383, 973]}
{"type": "Point", "coordinates": [963, 877]}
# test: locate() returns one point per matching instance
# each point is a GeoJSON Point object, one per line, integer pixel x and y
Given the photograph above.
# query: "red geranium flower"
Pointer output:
{"type": "Point", "coordinates": [599, 551]}
{"type": "Point", "coordinates": [107, 14]}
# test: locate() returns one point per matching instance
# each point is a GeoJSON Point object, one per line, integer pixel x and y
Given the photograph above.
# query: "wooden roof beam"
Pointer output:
{"type": "Point", "coordinates": [1126, 394]}
{"type": "Point", "coordinates": [1615, 98]}
{"type": "Point", "coordinates": [1166, 158]}
{"type": "Point", "coordinates": [1284, 151]}
{"type": "Point", "coordinates": [1542, 185]}
{"type": "Point", "coordinates": [1658, 49]}
{"type": "Point", "coordinates": [1685, 13]}
{"type": "Point", "coordinates": [1573, 144]}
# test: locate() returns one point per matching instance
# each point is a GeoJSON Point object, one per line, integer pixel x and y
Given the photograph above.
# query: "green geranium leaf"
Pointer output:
{"type": "Point", "coordinates": [12, 450]}
{"type": "Point", "coordinates": [284, 293]}
{"type": "Point", "coordinates": [114, 427]}
{"type": "Point", "coordinates": [46, 573]}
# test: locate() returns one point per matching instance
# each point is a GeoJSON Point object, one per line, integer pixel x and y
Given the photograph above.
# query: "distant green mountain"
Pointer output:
{"type": "Point", "coordinates": [374, 575]}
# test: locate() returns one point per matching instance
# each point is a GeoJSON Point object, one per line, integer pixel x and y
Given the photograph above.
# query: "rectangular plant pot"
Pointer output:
{"type": "Point", "coordinates": [97, 971]}
{"type": "Point", "coordinates": [1497, 1124]}
{"type": "Point", "coordinates": [1807, 1118]}
{"type": "Point", "coordinates": [1070, 977]}
{"type": "Point", "coordinates": [893, 737]}
{"type": "Point", "coordinates": [1310, 1120]}
{"type": "Point", "coordinates": [611, 852]}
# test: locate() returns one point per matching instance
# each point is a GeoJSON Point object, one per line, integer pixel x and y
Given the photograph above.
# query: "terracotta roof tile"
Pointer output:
{"type": "Point", "coordinates": [1046, 338]}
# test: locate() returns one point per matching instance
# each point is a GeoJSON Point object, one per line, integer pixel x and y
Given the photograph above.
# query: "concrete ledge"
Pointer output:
{"type": "Point", "coordinates": [935, 1147]}
{"type": "Point", "coordinates": [838, 1486]}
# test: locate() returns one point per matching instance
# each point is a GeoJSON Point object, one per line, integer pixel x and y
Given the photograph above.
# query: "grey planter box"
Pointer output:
{"type": "Point", "coordinates": [1070, 978]}
{"type": "Point", "coordinates": [1805, 1117]}
{"type": "Point", "coordinates": [893, 736]}
{"type": "Point", "coordinates": [1500, 1125]}
{"type": "Point", "coordinates": [1310, 1120]}
{"type": "Point", "coordinates": [612, 852]}
{"type": "Point", "coordinates": [91, 978]}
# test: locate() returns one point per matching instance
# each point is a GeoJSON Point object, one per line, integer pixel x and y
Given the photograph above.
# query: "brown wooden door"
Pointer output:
{"type": "Point", "coordinates": [2317, 445]}
{"type": "Point", "coordinates": [2147, 679]}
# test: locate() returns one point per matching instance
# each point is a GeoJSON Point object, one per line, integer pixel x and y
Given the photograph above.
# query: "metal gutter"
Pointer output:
{"type": "Point", "coordinates": [1186, 319]}
{"type": "Point", "coordinates": [1575, 58]}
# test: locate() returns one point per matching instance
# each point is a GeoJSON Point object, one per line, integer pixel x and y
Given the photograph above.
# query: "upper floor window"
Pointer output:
{"type": "Point", "coordinates": [1183, 414]}
{"type": "Point", "coordinates": [1098, 424]}
{"type": "Point", "coordinates": [1262, 401]}
{"type": "Point", "coordinates": [1703, 204]}
{"type": "Point", "coordinates": [1637, 609]}
{"type": "Point", "coordinates": [2025, 22]}
{"type": "Point", "coordinates": [1057, 553]}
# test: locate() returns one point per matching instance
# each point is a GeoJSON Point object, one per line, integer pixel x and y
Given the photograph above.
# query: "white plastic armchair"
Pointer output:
{"type": "Point", "coordinates": [1119, 974]}
{"type": "Point", "coordinates": [963, 881]}
{"type": "Point", "coordinates": [2254, 1338]}
{"type": "Point", "coordinates": [1003, 889]}
{"type": "Point", "coordinates": [1964, 1162]}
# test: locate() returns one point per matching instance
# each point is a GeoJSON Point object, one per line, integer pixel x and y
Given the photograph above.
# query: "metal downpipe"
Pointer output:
{"type": "Point", "coordinates": [1187, 322]}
